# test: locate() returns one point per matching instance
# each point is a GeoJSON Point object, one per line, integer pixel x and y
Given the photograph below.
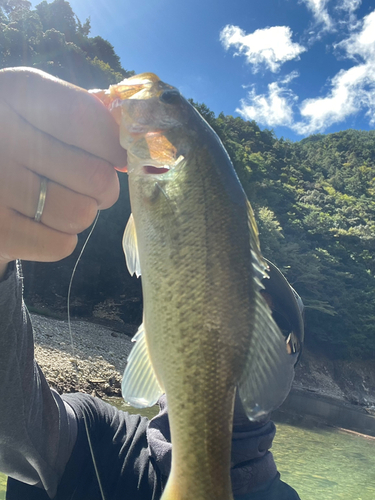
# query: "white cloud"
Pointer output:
{"type": "Point", "coordinates": [347, 96]}
{"type": "Point", "coordinates": [320, 12]}
{"type": "Point", "coordinates": [352, 90]}
{"type": "Point", "coordinates": [272, 109]}
{"type": "Point", "coordinates": [363, 43]}
{"type": "Point", "coordinates": [370, 97]}
{"type": "Point", "coordinates": [270, 46]}
{"type": "Point", "coordinates": [349, 5]}
{"type": "Point", "coordinates": [347, 17]}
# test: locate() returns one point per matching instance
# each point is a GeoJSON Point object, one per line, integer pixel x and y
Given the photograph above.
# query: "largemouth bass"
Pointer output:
{"type": "Point", "coordinates": [206, 328]}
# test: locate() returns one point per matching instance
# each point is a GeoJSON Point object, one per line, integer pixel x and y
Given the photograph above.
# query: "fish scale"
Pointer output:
{"type": "Point", "coordinates": [195, 333]}
{"type": "Point", "coordinates": [206, 329]}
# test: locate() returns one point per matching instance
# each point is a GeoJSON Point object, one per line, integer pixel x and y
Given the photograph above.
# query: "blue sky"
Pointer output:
{"type": "Point", "coordinates": [296, 66]}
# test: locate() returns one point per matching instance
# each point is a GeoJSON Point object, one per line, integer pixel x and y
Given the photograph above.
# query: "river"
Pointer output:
{"type": "Point", "coordinates": [318, 461]}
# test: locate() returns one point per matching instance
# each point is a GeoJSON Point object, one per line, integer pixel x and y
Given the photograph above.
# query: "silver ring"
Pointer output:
{"type": "Point", "coordinates": [42, 199]}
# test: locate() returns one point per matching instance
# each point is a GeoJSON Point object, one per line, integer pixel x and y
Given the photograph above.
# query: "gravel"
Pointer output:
{"type": "Point", "coordinates": [93, 362]}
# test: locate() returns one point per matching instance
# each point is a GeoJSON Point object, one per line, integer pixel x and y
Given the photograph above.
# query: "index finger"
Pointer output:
{"type": "Point", "coordinates": [66, 112]}
{"type": "Point", "coordinates": [23, 145]}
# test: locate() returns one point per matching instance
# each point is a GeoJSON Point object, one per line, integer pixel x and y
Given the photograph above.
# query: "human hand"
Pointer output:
{"type": "Point", "coordinates": [53, 129]}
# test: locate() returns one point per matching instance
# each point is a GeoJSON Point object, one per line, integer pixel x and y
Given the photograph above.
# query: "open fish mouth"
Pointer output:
{"type": "Point", "coordinates": [151, 170]}
{"type": "Point", "coordinates": [162, 169]}
{"type": "Point", "coordinates": [141, 87]}
{"type": "Point", "coordinates": [128, 102]}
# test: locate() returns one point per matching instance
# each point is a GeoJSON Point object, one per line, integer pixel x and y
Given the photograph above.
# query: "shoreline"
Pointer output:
{"type": "Point", "coordinates": [97, 362]}
{"type": "Point", "coordinates": [94, 364]}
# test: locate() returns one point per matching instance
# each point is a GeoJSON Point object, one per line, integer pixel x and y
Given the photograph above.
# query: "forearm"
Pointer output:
{"type": "Point", "coordinates": [33, 420]}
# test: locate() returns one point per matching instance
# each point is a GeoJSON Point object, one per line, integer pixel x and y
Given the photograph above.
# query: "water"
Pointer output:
{"type": "Point", "coordinates": [319, 462]}
{"type": "Point", "coordinates": [3, 482]}
{"type": "Point", "coordinates": [326, 463]}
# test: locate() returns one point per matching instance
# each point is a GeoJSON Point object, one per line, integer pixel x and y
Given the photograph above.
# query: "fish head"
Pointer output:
{"type": "Point", "coordinates": [152, 116]}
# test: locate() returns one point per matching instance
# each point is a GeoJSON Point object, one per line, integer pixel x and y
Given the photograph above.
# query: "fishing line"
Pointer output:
{"type": "Point", "coordinates": [71, 282]}
{"type": "Point", "coordinates": [74, 355]}
{"type": "Point", "coordinates": [93, 458]}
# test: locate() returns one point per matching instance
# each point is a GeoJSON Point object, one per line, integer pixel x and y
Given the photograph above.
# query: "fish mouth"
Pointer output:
{"type": "Point", "coordinates": [142, 87]}
{"type": "Point", "coordinates": [152, 170]}
{"type": "Point", "coordinates": [162, 169]}
{"type": "Point", "coordinates": [149, 141]}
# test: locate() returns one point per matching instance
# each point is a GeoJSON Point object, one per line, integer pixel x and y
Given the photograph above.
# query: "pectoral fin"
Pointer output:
{"type": "Point", "coordinates": [140, 387]}
{"type": "Point", "coordinates": [130, 247]}
{"type": "Point", "coordinates": [269, 371]}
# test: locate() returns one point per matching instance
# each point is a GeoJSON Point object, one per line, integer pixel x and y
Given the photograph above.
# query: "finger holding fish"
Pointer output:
{"type": "Point", "coordinates": [57, 131]}
{"type": "Point", "coordinates": [62, 110]}
{"type": "Point", "coordinates": [23, 144]}
{"type": "Point", "coordinates": [23, 238]}
{"type": "Point", "coordinates": [65, 210]}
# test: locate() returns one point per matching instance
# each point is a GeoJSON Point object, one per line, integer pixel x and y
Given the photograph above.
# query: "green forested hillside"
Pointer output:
{"type": "Point", "coordinates": [314, 199]}
{"type": "Point", "coordinates": [315, 208]}
{"type": "Point", "coordinates": [53, 39]}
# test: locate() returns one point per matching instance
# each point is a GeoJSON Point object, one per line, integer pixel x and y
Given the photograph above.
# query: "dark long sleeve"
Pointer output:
{"type": "Point", "coordinates": [44, 443]}
{"type": "Point", "coordinates": [37, 429]}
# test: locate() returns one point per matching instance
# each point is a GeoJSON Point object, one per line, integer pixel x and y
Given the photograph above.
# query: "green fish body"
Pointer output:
{"type": "Point", "coordinates": [206, 329]}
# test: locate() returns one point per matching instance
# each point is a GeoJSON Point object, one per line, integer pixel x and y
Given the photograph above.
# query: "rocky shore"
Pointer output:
{"type": "Point", "coordinates": [98, 357]}
{"type": "Point", "coordinates": [349, 382]}
{"type": "Point", "coordinates": [92, 361]}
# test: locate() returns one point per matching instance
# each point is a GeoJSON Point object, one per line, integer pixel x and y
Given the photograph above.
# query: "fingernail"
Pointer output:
{"type": "Point", "coordinates": [122, 169]}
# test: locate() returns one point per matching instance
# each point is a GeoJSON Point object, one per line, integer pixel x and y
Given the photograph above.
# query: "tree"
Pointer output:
{"type": "Point", "coordinates": [53, 39]}
{"type": "Point", "coordinates": [58, 15]}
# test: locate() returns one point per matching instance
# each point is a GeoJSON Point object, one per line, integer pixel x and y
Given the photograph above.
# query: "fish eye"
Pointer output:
{"type": "Point", "coordinates": [170, 96]}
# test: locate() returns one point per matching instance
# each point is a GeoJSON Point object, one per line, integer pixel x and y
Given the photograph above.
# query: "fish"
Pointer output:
{"type": "Point", "coordinates": [206, 329]}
